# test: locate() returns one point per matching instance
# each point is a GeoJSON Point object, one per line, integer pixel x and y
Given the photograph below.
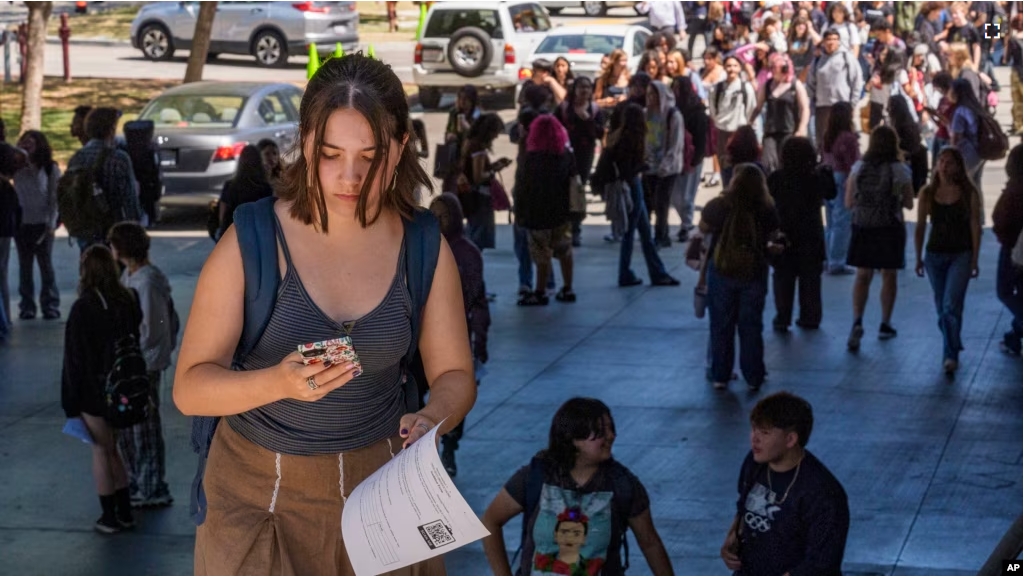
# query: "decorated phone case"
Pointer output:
{"type": "Point", "coordinates": [337, 351]}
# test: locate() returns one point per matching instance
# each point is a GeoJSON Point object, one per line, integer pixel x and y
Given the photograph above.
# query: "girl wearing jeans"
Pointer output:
{"type": "Point", "coordinates": [841, 150]}
{"type": "Point", "coordinates": [951, 202]}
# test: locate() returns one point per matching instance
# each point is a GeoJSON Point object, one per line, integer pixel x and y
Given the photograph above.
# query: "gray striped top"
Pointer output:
{"type": "Point", "coordinates": [362, 412]}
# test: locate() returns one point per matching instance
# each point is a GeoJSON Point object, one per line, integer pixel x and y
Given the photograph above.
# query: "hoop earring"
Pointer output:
{"type": "Point", "coordinates": [394, 179]}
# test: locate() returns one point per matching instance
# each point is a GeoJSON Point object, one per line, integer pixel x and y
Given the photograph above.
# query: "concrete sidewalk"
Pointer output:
{"type": "Point", "coordinates": [932, 465]}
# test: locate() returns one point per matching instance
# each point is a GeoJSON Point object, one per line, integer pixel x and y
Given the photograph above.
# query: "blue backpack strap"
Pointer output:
{"type": "Point", "coordinates": [534, 486]}
{"type": "Point", "coordinates": [422, 247]}
{"type": "Point", "coordinates": [257, 241]}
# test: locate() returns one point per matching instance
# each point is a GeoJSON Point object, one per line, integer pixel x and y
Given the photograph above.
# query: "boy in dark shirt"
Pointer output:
{"type": "Point", "coordinates": [792, 516]}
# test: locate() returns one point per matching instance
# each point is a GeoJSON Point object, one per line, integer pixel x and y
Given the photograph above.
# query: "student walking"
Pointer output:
{"type": "Point", "coordinates": [798, 191]}
{"type": "Point", "coordinates": [104, 313]}
{"type": "Point", "coordinates": [731, 102]}
{"type": "Point", "coordinates": [1006, 224]}
{"type": "Point", "coordinates": [840, 151]}
{"type": "Point", "coordinates": [36, 185]}
{"type": "Point", "coordinates": [835, 76]}
{"type": "Point", "coordinates": [663, 156]}
{"type": "Point", "coordinates": [877, 191]}
{"type": "Point", "coordinates": [786, 109]}
{"type": "Point", "coordinates": [792, 515]}
{"type": "Point", "coordinates": [577, 503]}
{"type": "Point", "coordinates": [142, 446]}
{"type": "Point", "coordinates": [743, 221]}
{"type": "Point", "coordinates": [474, 182]}
{"type": "Point", "coordinates": [695, 123]}
{"type": "Point", "coordinates": [950, 202]}
{"type": "Point", "coordinates": [584, 122]}
{"type": "Point", "coordinates": [295, 440]}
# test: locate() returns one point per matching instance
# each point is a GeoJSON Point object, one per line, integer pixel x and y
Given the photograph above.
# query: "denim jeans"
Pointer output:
{"type": "Point", "coordinates": [639, 223]}
{"type": "Point", "coordinates": [837, 225]}
{"type": "Point", "coordinates": [1008, 287]}
{"type": "Point", "coordinates": [949, 274]}
{"type": "Point", "coordinates": [686, 184]}
{"type": "Point", "coordinates": [35, 244]}
{"type": "Point", "coordinates": [5, 289]}
{"type": "Point", "coordinates": [659, 190]}
{"type": "Point", "coordinates": [521, 247]}
{"type": "Point", "coordinates": [737, 306]}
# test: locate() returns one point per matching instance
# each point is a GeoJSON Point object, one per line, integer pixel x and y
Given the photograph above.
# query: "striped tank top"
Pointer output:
{"type": "Point", "coordinates": [368, 408]}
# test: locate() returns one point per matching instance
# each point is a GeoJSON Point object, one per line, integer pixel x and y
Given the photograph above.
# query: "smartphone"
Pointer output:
{"type": "Point", "coordinates": [336, 351]}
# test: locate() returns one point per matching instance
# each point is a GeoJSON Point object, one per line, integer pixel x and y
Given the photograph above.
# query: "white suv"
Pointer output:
{"type": "Point", "coordinates": [479, 43]}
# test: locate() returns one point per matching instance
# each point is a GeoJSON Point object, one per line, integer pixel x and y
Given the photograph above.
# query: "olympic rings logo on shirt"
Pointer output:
{"type": "Point", "coordinates": [757, 522]}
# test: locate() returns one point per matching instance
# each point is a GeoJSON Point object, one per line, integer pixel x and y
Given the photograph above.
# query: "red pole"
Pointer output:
{"type": "Point", "coordinates": [65, 34]}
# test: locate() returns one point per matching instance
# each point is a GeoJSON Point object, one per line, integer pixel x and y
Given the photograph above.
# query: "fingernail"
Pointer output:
{"type": "Point", "coordinates": [404, 432]}
{"type": "Point", "coordinates": [357, 373]}
{"type": "Point", "coordinates": [350, 366]}
{"type": "Point", "coordinates": [327, 364]}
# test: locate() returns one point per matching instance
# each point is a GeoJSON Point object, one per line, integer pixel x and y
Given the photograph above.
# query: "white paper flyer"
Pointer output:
{"type": "Point", "coordinates": [407, 512]}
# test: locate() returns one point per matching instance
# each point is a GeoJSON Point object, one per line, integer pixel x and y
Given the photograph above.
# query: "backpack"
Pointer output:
{"type": "Point", "coordinates": [738, 253]}
{"type": "Point", "coordinates": [257, 241]}
{"type": "Point", "coordinates": [81, 201]}
{"type": "Point", "coordinates": [622, 501]}
{"type": "Point", "coordinates": [127, 384]}
{"type": "Point", "coordinates": [720, 91]}
{"type": "Point", "coordinates": [992, 141]}
{"type": "Point", "coordinates": [877, 203]}
{"type": "Point", "coordinates": [827, 181]}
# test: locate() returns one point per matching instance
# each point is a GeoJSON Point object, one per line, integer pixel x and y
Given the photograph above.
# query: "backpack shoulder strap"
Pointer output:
{"type": "Point", "coordinates": [622, 500]}
{"type": "Point", "coordinates": [534, 486]}
{"type": "Point", "coordinates": [257, 241]}
{"type": "Point", "coordinates": [422, 248]}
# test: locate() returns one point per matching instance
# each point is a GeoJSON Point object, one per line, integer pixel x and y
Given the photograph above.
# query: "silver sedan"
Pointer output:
{"type": "Point", "coordinates": [202, 127]}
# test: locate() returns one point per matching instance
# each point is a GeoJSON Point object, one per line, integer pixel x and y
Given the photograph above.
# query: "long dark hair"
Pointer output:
{"type": "Point", "coordinates": [569, 76]}
{"type": "Point", "coordinates": [883, 147]}
{"type": "Point", "coordinates": [371, 88]}
{"type": "Point", "coordinates": [961, 180]}
{"type": "Point", "coordinates": [630, 138]}
{"type": "Point", "coordinates": [904, 124]}
{"type": "Point", "coordinates": [748, 189]}
{"type": "Point", "coordinates": [98, 271]}
{"type": "Point", "coordinates": [743, 145]}
{"type": "Point", "coordinates": [686, 96]}
{"type": "Point", "coordinates": [840, 120]}
{"type": "Point", "coordinates": [264, 144]}
{"type": "Point", "coordinates": [576, 85]}
{"type": "Point", "coordinates": [646, 59]}
{"type": "Point", "coordinates": [577, 419]}
{"type": "Point", "coordinates": [482, 133]}
{"type": "Point", "coordinates": [42, 158]}
{"type": "Point", "coordinates": [966, 97]}
{"type": "Point", "coordinates": [249, 174]}
{"type": "Point", "coordinates": [798, 156]}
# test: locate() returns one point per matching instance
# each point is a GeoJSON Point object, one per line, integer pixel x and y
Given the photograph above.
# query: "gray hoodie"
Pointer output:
{"type": "Point", "coordinates": [835, 78]}
{"type": "Point", "coordinates": [155, 337]}
{"type": "Point", "coordinates": [664, 151]}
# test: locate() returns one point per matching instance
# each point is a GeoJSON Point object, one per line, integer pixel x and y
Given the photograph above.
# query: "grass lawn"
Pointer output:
{"type": "Point", "coordinates": [60, 99]}
{"type": "Point", "coordinates": [113, 24]}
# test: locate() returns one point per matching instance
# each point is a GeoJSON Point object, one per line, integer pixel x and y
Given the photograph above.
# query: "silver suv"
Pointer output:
{"type": "Point", "coordinates": [479, 43]}
{"type": "Point", "coordinates": [270, 31]}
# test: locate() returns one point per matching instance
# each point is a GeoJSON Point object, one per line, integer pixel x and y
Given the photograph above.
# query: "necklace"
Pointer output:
{"type": "Point", "coordinates": [795, 475]}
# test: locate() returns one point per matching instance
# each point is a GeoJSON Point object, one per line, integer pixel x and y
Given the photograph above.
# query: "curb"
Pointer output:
{"type": "Point", "coordinates": [90, 41]}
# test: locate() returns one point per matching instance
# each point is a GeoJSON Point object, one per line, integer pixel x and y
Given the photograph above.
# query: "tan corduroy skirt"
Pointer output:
{"type": "Point", "coordinates": [275, 514]}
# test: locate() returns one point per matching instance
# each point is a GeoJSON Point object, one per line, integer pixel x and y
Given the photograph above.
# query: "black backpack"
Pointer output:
{"type": "Point", "coordinates": [720, 91]}
{"type": "Point", "coordinates": [127, 390]}
{"type": "Point", "coordinates": [82, 203]}
{"type": "Point", "coordinates": [738, 253]}
{"type": "Point", "coordinates": [877, 204]}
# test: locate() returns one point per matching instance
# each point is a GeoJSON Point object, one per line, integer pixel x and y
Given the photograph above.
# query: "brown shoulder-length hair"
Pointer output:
{"type": "Point", "coordinates": [98, 271]}
{"type": "Point", "coordinates": [961, 180]}
{"type": "Point", "coordinates": [371, 88]}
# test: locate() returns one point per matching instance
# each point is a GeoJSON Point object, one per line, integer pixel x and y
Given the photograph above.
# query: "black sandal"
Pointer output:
{"type": "Point", "coordinates": [533, 300]}
{"type": "Point", "coordinates": [565, 296]}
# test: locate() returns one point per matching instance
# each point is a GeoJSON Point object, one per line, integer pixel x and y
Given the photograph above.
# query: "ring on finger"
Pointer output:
{"type": "Point", "coordinates": [426, 428]}
{"type": "Point", "coordinates": [311, 383]}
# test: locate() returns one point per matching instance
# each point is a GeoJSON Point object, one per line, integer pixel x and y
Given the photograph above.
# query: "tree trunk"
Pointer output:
{"type": "Point", "coordinates": [32, 85]}
{"type": "Point", "coordinates": [200, 42]}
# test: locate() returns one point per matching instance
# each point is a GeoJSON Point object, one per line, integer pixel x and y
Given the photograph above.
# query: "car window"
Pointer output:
{"type": "Point", "coordinates": [639, 43]}
{"type": "Point", "coordinates": [580, 44]}
{"type": "Point", "coordinates": [193, 110]}
{"type": "Point", "coordinates": [296, 98]}
{"type": "Point", "coordinates": [289, 105]}
{"type": "Point", "coordinates": [272, 110]}
{"type": "Point", "coordinates": [529, 18]}
{"type": "Point", "coordinates": [444, 23]}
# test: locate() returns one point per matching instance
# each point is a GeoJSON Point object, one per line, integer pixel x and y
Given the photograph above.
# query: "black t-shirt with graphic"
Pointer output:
{"type": "Point", "coordinates": [967, 34]}
{"type": "Point", "coordinates": [577, 530]}
{"type": "Point", "coordinates": [799, 533]}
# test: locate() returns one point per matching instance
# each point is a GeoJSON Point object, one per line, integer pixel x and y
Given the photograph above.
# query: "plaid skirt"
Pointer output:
{"type": "Point", "coordinates": [276, 514]}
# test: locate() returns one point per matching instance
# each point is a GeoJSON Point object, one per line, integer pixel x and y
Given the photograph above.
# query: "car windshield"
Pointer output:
{"type": "Point", "coordinates": [580, 44]}
{"type": "Point", "coordinates": [529, 18]}
{"type": "Point", "coordinates": [182, 110]}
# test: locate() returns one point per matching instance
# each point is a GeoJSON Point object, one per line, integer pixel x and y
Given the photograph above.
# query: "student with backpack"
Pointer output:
{"type": "Point", "coordinates": [362, 262]}
{"type": "Point", "coordinates": [877, 191]}
{"type": "Point", "coordinates": [570, 525]}
{"type": "Point", "coordinates": [731, 103]}
{"type": "Point", "coordinates": [744, 223]}
{"type": "Point", "coordinates": [663, 156]}
{"type": "Point", "coordinates": [142, 445]}
{"type": "Point", "coordinates": [99, 165]}
{"type": "Point", "coordinates": [966, 131]}
{"type": "Point", "coordinates": [840, 151]}
{"type": "Point", "coordinates": [36, 185]}
{"type": "Point", "coordinates": [783, 98]}
{"type": "Point", "coordinates": [695, 123]}
{"type": "Point", "coordinates": [584, 121]}
{"type": "Point", "coordinates": [835, 76]}
{"type": "Point", "coordinates": [105, 314]}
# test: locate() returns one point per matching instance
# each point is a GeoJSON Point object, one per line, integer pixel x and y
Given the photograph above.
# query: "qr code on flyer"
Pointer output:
{"type": "Point", "coordinates": [436, 534]}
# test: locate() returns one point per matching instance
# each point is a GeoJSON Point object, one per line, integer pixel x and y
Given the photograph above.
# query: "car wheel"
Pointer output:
{"type": "Point", "coordinates": [155, 42]}
{"type": "Point", "coordinates": [429, 97]}
{"type": "Point", "coordinates": [212, 56]}
{"type": "Point", "coordinates": [470, 51]}
{"type": "Point", "coordinates": [595, 8]}
{"type": "Point", "coordinates": [554, 11]}
{"type": "Point", "coordinates": [270, 49]}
